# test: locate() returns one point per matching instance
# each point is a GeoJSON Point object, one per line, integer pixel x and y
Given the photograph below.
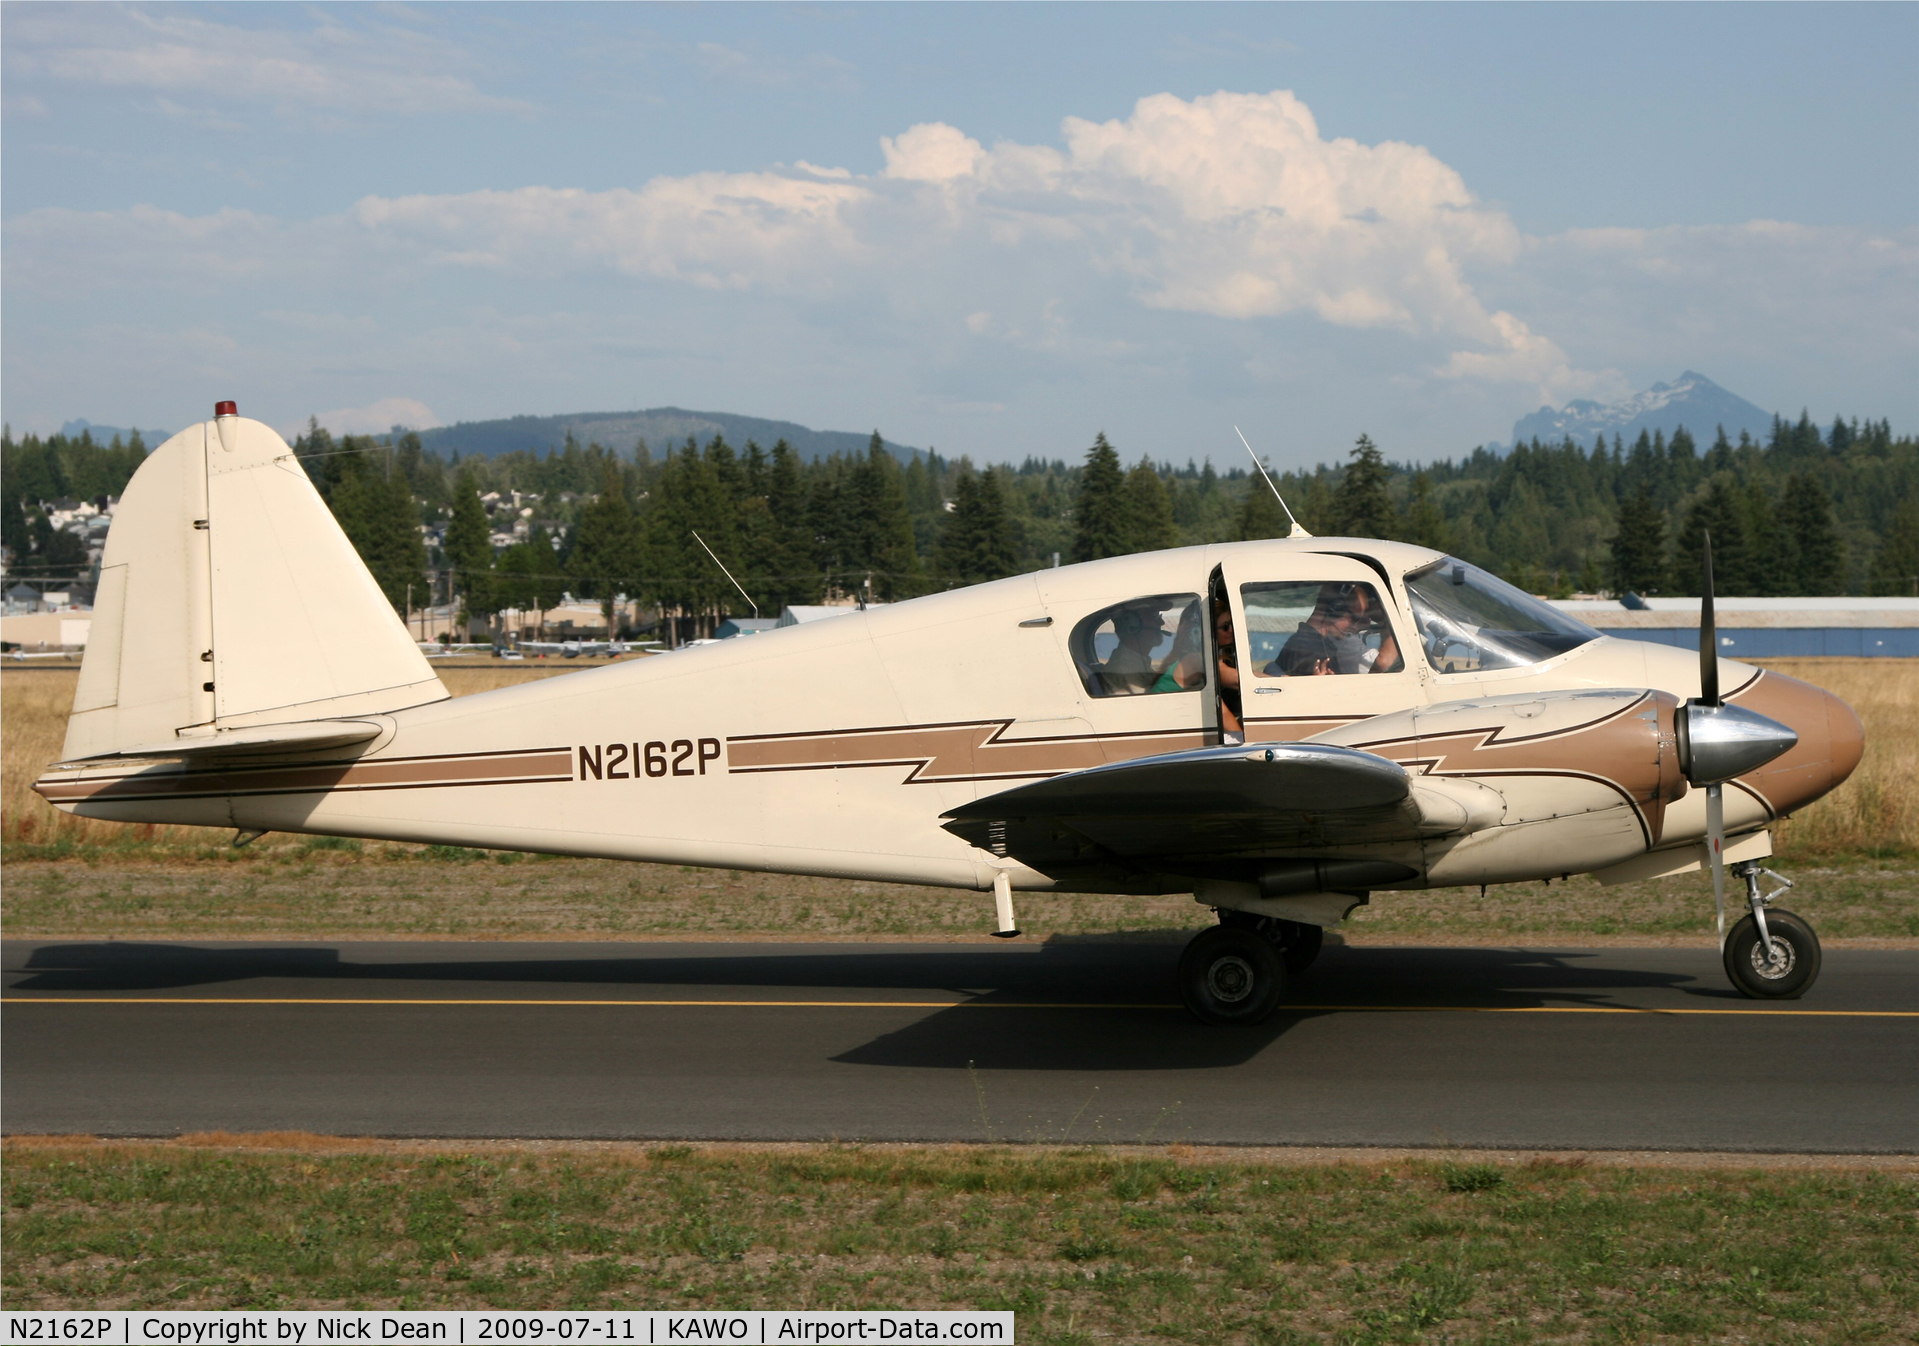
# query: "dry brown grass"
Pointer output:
{"type": "Point", "coordinates": [1876, 813]}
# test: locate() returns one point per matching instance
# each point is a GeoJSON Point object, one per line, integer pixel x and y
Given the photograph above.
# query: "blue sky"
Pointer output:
{"type": "Point", "coordinates": [993, 229]}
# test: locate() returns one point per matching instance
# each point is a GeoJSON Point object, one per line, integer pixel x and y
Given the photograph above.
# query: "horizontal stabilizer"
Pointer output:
{"type": "Point", "coordinates": [311, 736]}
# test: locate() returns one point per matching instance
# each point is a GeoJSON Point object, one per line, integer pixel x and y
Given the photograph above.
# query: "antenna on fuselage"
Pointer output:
{"type": "Point", "coordinates": [1297, 530]}
{"type": "Point", "coordinates": [729, 574]}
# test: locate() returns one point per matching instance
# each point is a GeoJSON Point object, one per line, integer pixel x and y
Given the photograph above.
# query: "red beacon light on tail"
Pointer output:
{"type": "Point", "coordinates": [226, 409]}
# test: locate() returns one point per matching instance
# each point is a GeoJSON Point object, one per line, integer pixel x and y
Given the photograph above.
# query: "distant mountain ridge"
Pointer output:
{"type": "Point", "coordinates": [661, 427]}
{"type": "Point", "coordinates": [1693, 401]}
{"type": "Point", "coordinates": [103, 434]}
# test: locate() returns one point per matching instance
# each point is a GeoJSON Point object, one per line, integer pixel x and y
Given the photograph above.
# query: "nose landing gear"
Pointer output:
{"type": "Point", "coordinates": [1770, 955]}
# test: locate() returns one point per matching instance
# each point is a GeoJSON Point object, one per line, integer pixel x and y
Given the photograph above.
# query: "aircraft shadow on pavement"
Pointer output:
{"type": "Point", "coordinates": [1065, 974]}
{"type": "Point", "coordinates": [1072, 1005]}
{"type": "Point", "coordinates": [1344, 979]}
{"type": "Point", "coordinates": [1061, 973]}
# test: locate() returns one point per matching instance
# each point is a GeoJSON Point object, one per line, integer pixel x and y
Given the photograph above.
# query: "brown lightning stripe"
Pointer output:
{"type": "Point", "coordinates": [965, 751]}
{"type": "Point", "coordinates": [1292, 728]}
{"type": "Point", "coordinates": [1629, 750]}
{"type": "Point", "coordinates": [526, 766]}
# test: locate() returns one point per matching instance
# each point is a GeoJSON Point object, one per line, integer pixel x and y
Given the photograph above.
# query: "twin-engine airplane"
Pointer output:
{"type": "Point", "coordinates": [1279, 728]}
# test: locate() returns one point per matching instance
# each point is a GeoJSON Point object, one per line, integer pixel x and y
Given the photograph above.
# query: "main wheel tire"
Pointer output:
{"type": "Point", "coordinates": [1298, 943]}
{"type": "Point", "coordinates": [1785, 977]}
{"type": "Point", "coordinates": [1231, 976]}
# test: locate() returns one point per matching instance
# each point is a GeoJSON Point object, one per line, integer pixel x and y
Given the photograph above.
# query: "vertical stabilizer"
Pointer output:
{"type": "Point", "coordinates": [228, 598]}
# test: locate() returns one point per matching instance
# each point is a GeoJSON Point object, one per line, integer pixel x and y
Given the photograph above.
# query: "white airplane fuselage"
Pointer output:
{"type": "Point", "coordinates": [833, 748]}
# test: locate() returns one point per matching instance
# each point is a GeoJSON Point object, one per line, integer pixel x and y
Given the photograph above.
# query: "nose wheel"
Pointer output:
{"type": "Point", "coordinates": [1770, 955]}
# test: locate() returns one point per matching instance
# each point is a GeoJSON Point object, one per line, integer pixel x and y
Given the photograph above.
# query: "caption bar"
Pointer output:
{"type": "Point", "coordinates": [240, 1327]}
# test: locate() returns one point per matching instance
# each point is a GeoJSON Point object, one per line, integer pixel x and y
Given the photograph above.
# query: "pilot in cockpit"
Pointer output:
{"type": "Point", "coordinates": [1334, 638]}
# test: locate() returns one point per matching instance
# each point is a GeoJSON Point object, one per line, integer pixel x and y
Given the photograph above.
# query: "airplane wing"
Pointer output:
{"type": "Point", "coordinates": [1207, 804]}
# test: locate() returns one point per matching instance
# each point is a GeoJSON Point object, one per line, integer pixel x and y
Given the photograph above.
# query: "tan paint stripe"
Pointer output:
{"type": "Point", "coordinates": [411, 773]}
{"type": "Point", "coordinates": [961, 1004]}
{"type": "Point", "coordinates": [973, 751]}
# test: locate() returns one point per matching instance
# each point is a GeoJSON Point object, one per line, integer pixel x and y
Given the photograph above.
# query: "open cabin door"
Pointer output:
{"type": "Point", "coordinates": [1321, 642]}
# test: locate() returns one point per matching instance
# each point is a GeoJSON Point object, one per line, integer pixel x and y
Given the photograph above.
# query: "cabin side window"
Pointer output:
{"type": "Point", "coordinates": [1142, 647]}
{"type": "Point", "coordinates": [1318, 628]}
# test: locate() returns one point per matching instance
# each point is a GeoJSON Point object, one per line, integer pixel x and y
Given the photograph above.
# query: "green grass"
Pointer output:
{"type": "Point", "coordinates": [1146, 1246]}
{"type": "Point", "coordinates": [326, 888]}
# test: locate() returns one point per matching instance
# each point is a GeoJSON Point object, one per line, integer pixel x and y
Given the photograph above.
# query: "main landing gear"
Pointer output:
{"type": "Point", "coordinates": [1770, 955]}
{"type": "Point", "coordinates": [1236, 972]}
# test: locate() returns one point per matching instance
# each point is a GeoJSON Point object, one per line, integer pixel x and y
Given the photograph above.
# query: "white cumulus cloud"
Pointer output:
{"type": "Point", "coordinates": [1222, 244]}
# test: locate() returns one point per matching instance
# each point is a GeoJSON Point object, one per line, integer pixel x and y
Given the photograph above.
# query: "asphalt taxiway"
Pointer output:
{"type": "Point", "coordinates": [1642, 1049]}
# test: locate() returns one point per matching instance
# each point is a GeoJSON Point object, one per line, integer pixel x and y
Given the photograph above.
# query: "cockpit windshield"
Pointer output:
{"type": "Point", "coordinates": [1470, 621]}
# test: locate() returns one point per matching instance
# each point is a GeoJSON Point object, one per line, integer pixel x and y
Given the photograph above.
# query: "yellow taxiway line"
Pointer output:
{"type": "Point", "coordinates": [937, 1004]}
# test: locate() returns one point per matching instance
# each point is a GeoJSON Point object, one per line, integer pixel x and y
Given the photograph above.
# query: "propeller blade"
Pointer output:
{"type": "Point", "coordinates": [1716, 843]}
{"type": "Point", "coordinates": [1708, 637]}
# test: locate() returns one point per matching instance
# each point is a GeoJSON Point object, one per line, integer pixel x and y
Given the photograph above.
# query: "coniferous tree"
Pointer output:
{"type": "Point", "coordinates": [1260, 515]}
{"type": "Point", "coordinates": [469, 551]}
{"type": "Point", "coordinates": [1895, 568]}
{"type": "Point", "coordinates": [1719, 458]}
{"type": "Point", "coordinates": [1363, 506]}
{"type": "Point", "coordinates": [885, 522]}
{"type": "Point", "coordinates": [1425, 523]}
{"type": "Point", "coordinates": [1719, 511]}
{"type": "Point", "coordinates": [976, 543]}
{"type": "Point", "coordinates": [1682, 459]}
{"type": "Point", "coordinates": [1772, 554]}
{"type": "Point", "coordinates": [526, 577]}
{"type": "Point", "coordinates": [1806, 522]}
{"type": "Point", "coordinates": [1146, 511]}
{"type": "Point", "coordinates": [1639, 545]}
{"type": "Point", "coordinates": [1841, 437]}
{"type": "Point", "coordinates": [1098, 524]}
{"type": "Point", "coordinates": [996, 545]}
{"type": "Point", "coordinates": [604, 545]}
{"type": "Point", "coordinates": [691, 494]}
{"type": "Point", "coordinates": [791, 561]}
{"type": "Point", "coordinates": [375, 509]}
{"type": "Point", "coordinates": [953, 558]}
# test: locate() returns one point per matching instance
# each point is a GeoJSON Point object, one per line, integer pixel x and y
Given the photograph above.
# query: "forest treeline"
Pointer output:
{"type": "Point", "coordinates": [1808, 511]}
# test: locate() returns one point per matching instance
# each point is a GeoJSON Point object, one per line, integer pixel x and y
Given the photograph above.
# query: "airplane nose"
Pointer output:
{"type": "Point", "coordinates": [1847, 738]}
{"type": "Point", "coordinates": [1831, 740]}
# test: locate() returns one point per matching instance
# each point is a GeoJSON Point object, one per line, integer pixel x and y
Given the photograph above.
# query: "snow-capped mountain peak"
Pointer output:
{"type": "Point", "coordinates": [1691, 400]}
